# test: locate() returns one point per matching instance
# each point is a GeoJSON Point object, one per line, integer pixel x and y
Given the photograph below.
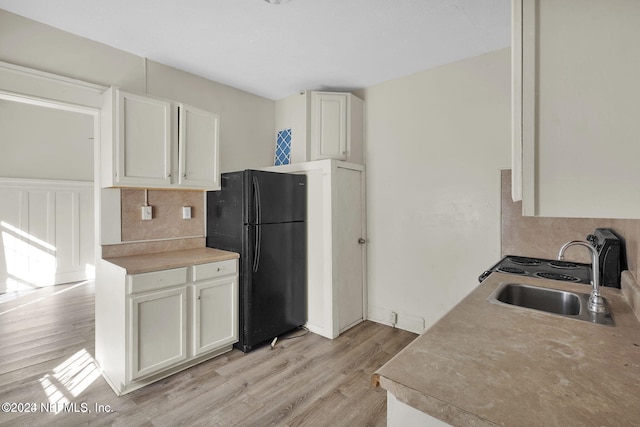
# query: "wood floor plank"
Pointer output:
{"type": "Point", "coordinates": [47, 345]}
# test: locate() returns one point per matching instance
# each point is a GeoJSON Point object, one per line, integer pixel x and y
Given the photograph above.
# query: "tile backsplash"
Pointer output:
{"type": "Point", "coordinates": [166, 231]}
{"type": "Point", "coordinates": [167, 222]}
{"type": "Point", "coordinates": [543, 237]}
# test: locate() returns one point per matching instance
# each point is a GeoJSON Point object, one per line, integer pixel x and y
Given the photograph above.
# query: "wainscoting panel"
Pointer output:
{"type": "Point", "coordinates": [46, 233]}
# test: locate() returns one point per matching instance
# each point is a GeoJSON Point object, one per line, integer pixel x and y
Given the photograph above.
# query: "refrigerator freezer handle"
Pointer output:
{"type": "Point", "coordinates": [256, 200]}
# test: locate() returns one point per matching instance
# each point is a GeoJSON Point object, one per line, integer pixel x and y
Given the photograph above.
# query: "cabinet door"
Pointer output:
{"type": "Point", "coordinates": [329, 125]}
{"type": "Point", "coordinates": [143, 141]}
{"type": "Point", "coordinates": [576, 107]}
{"type": "Point", "coordinates": [198, 153]}
{"type": "Point", "coordinates": [214, 322]}
{"type": "Point", "coordinates": [157, 331]}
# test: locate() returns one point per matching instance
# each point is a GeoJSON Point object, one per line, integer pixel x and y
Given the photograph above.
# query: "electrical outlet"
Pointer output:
{"type": "Point", "coordinates": [147, 213]}
{"type": "Point", "coordinates": [186, 212]}
{"type": "Point", "coordinates": [393, 318]}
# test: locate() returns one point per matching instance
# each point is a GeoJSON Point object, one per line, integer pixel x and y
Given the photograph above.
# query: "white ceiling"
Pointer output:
{"type": "Point", "coordinates": [277, 50]}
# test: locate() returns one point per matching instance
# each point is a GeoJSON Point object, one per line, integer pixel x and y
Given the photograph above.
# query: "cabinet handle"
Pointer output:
{"type": "Point", "coordinates": [169, 175]}
{"type": "Point", "coordinates": [218, 269]}
{"type": "Point", "coordinates": [361, 241]}
{"type": "Point", "coordinates": [199, 297]}
{"type": "Point", "coordinates": [184, 176]}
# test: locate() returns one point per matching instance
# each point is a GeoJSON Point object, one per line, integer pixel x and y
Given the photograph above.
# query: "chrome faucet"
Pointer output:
{"type": "Point", "coordinates": [596, 302]}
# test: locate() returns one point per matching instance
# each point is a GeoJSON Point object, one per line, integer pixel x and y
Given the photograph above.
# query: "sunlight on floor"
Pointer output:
{"type": "Point", "coordinates": [12, 296]}
{"type": "Point", "coordinates": [70, 378]}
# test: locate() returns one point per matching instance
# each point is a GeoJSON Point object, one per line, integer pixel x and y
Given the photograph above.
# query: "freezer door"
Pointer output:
{"type": "Point", "coordinates": [225, 213]}
{"type": "Point", "coordinates": [273, 197]}
{"type": "Point", "coordinates": [275, 285]}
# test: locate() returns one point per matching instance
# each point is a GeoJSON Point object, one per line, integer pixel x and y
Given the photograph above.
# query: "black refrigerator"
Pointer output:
{"type": "Point", "coordinates": [262, 216]}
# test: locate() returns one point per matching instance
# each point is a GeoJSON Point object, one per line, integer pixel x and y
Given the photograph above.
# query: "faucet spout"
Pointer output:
{"type": "Point", "coordinates": [596, 302]}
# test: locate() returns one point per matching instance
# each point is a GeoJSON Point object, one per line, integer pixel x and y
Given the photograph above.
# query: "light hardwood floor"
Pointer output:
{"type": "Point", "coordinates": [46, 361]}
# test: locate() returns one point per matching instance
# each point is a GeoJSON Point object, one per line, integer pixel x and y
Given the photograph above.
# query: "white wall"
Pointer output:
{"type": "Point", "coordinates": [436, 142]}
{"type": "Point", "coordinates": [292, 113]}
{"type": "Point", "coordinates": [246, 120]}
{"type": "Point", "coordinates": [45, 143]}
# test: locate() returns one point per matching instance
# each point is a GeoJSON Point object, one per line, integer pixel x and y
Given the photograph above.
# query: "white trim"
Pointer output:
{"type": "Point", "coordinates": [36, 87]}
{"type": "Point", "coordinates": [516, 100]}
{"type": "Point", "coordinates": [44, 102]}
{"type": "Point", "coordinates": [44, 183]}
{"type": "Point", "coordinates": [18, 69]}
{"type": "Point", "coordinates": [529, 107]}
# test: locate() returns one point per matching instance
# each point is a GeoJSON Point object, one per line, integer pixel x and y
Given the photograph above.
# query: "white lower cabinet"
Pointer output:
{"type": "Point", "coordinates": [214, 320]}
{"type": "Point", "coordinates": [158, 330]}
{"type": "Point", "coordinates": [151, 325]}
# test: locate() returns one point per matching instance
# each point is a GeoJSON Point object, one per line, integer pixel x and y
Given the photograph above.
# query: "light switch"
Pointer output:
{"type": "Point", "coordinates": [186, 212]}
{"type": "Point", "coordinates": [147, 213]}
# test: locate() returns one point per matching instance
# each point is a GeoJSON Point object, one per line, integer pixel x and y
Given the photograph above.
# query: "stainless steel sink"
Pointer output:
{"type": "Point", "coordinates": [566, 304]}
{"type": "Point", "coordinates": [549, 300]}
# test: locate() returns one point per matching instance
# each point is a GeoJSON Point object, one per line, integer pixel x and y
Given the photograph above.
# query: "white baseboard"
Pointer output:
{"type": "Point", "coordinates": [405, 321]}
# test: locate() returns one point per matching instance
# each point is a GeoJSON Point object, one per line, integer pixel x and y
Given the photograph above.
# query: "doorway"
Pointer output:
{"type": "Point", "coordinates": [47, 202]}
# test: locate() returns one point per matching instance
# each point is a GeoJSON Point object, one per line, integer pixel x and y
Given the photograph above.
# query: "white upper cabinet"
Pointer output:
{"type": "Point", "coordinates": [329, 125]}
{"type": "Point", "coordinates": [198, 145]}
{"type": "Point", "coordinates": [575, 112]}
{"type": "Point", "coordinates": [139, 145]}
{"type": "Point", "coordinates": [143, 134]}
{"type": "Point", "coordinates": [323, 125]}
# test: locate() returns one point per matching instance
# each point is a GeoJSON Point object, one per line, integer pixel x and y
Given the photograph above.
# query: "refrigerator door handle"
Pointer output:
{"type": "Point", "coordinates": [256, 200]}
{"type": "Point", "coordinates": [257, 207]}
{"type": "Point", "coordinates": [256, 249]}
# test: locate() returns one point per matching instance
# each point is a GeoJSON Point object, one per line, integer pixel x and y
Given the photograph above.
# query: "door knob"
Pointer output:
{"type": "Point", "coordinates": [361, 241]}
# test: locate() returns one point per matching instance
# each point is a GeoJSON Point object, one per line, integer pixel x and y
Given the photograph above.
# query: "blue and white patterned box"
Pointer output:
{"type": "Point", "coordinates": [283, 148]}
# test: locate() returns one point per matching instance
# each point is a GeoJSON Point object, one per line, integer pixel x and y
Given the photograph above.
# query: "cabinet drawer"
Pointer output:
{"type": "Point", "coordinates": [214, 269]}
{"type": "Point", "coordinates": [156, 280]}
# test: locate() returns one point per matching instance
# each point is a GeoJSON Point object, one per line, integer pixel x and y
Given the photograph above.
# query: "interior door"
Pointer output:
{"type": "Point", "coordinates": [349, 231]}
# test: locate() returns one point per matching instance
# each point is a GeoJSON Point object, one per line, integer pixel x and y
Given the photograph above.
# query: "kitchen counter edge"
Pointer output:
{"type": "Point", "coordinates": [145, 263]}
{"type": "Point", "coordinates": [416, 375]}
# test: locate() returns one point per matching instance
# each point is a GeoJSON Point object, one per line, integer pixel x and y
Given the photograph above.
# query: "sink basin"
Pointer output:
{"type": "Point", "coordinates": [549, 300]}
{"type": "Point", "coordinates": [553, 301]}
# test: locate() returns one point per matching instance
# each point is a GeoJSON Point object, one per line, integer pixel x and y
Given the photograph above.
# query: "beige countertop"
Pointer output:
{"type": "Point", "coordinates": [489, 364]}
{"type": "Point", "coordinates": [136, 264]}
